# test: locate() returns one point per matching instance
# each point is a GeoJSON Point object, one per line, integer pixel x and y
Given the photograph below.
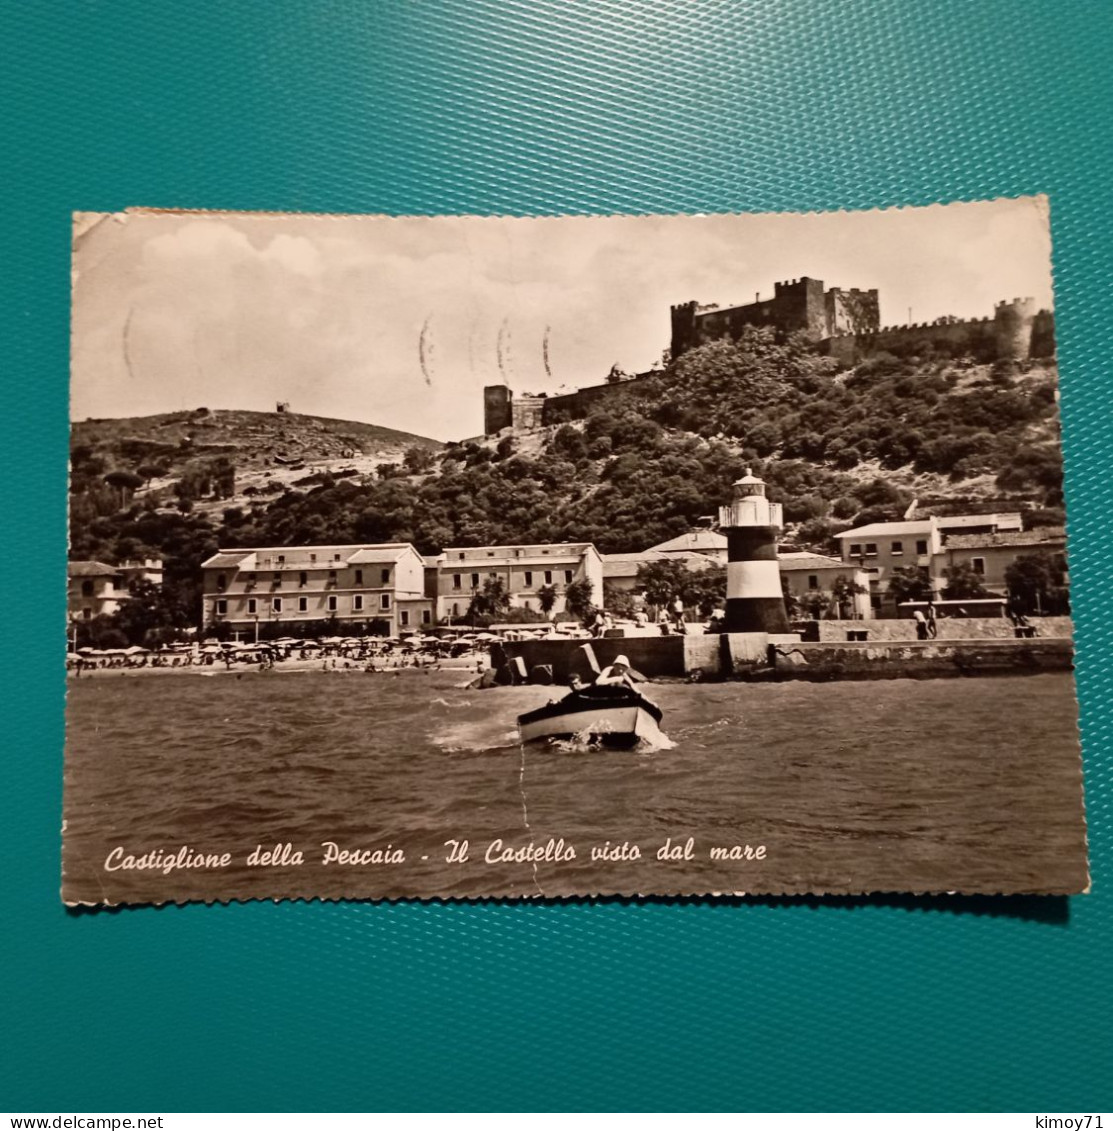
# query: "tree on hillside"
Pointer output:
{"type": "Point", "coordinates": [546, 598]}
{"type": "Point", "coordinates": [910, 583]}
{"type": "Point", "coordinates": [618, 602]}
{"type": "Point", "coordinates": [843, 592]}
{"type": "Point", "coordinates": [417, 460]}
{"type": "Point", "coordinates": [149, 616]}
{"type": "Point", "coordinates": [661, 581]}
{"type": "Point", "coordinates": [963, 584]}
{"type": "Point", "coordinates": [701, 589]}
{"type": "Point", "coordinates": [491, 600]}
{"type": "Point", "coordinates": [1038, 583]}
{"type": "Point", "coordinates": [126, 482]}
{"type": "Point", "coordinates": [578, 598]}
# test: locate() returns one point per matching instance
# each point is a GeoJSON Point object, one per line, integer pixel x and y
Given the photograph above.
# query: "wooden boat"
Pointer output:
{"type": "Point", "coordinates": [613, 715]}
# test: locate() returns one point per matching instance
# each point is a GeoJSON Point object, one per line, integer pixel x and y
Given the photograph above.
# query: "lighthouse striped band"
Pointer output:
{"type": "Point", "coordinates": [754, 600]}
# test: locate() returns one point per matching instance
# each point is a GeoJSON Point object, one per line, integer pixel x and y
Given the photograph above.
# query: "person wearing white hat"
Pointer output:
{"type": "Point", "coordinates": [616, 672]}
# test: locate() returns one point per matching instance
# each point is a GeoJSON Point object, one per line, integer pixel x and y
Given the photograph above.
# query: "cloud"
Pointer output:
{"type": "Point", "coordinates": [240, 311]}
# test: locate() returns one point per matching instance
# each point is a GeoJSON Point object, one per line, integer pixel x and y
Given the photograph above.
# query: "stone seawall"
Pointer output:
{"type": "Point", "coordinates": [950, 628]}
{"type": "Point", "coordinates": [927, 659]}
{"type": "Point", "coordinates": [752, 656]}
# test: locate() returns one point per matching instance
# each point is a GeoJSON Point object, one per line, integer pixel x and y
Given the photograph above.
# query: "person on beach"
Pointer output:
{"type": "Point", "coordinates": [921, 624]}
{"type": "Point", "coordinates": [932, 623]}
{"type": "Point", "coordinates": [678, 615]}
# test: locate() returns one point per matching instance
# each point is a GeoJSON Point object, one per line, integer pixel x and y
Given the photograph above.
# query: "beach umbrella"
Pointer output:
{"type": "Point", "coordinates": [486, 636]}
{"type": "Point", "coordinates": [134, 650]}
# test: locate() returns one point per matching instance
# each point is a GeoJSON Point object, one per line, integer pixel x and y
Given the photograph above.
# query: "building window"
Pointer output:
{"type": "Point", "coordinates": [312, 557]}
{"type": "Point", "coordinates": [332, 603]}
{"type": "Point", "coordinates": [252, 578]}
{"type": "Point", "coordinates": [813, 581]}
{"type": "Point", "coordinates": [548, 577]}
{"type": "Point", "coordinates": [278, 579]}
{"type": "Point", "coordinates": [336, 557]}
{"type": "Point", "coordinates": [276, 604]}
{"type": "Point", "coordinates": [281, 558]}
{"type": "Point", "coordinates": [426, 616]}
{"type": "Point", "coordinates": [855, 548]}
{"type": "Point", "coordinates": [896, 548]}
{"type": "Point", "coordinates": [384, 601]}
{"type": "Point", "coordinates": [332, 575]}
{"type": "Point", "coordinates": [978, 566]}
{"type": "Point", "coordinates": [221, 581]}
{"type": "Point", "coordinates": [252, 605]}
{"type": "Point", "coordinates": [567, 577]}
{"type": "Point", "coordinates": [357, 603]}
{"type": "Point", "coordinates": [303, 578]}
{"type": "Point", "coordinates": [461, 557]}
{"type": "Point", "coordinates": [86, 589]}
{"type": "Point", "coordinates": [359, 577]}
{"type": "Point", "coordinates": [455, 609]}
{"type": "Point", "coordinates": [871, 549]}
{"type": "Point", "coordinates": [921, 546]}
{"type": "Point", "coordinates": [221, 608]}
{"type": "Point", "coordinates": [404, 617]}
{"type": "Point", "coordinates": [475, 580]}
{"type": "Point", "coordinates": [303, 604]}
{"type": "Point", "coordinates": [529, 579]}
{"type": "Point", "coordinates": [490, 553]}
{"type": "Point", "coordinates": [456, 581]}
{"type": "Point", "coordinates": [385, 577]}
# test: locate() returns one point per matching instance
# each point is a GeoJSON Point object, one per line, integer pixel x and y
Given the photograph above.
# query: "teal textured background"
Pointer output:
{"type": "Point", "coordinates": [899, 1004]}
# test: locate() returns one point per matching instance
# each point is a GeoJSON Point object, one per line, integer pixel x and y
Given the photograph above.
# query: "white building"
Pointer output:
{"type": "Point", "coordinates": [382, 583]}
{"type": "Point", "coordinates": [523, 569]}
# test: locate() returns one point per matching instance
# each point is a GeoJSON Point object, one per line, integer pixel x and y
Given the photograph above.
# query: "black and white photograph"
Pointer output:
{"type": "Point", "coordinates": [477, 557]}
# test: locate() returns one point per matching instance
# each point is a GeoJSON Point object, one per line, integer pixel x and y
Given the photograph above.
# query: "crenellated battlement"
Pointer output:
{"type": "Point", "coordinates": [842, 322]}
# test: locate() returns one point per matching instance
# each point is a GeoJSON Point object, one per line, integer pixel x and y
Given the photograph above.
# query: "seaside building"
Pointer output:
{"type": "Point", "coordinates": [810, 576]}
{"type": "Point", "coordinates": [96, 588]}
{"type": "Point", "coordinates": [930, 543]}
{"type": "Point", "coordinates": [523, 569]}
{"type": "Point", "coordinates": [381, 584]}
{"type": "Point", "coordinates": [989, 555]}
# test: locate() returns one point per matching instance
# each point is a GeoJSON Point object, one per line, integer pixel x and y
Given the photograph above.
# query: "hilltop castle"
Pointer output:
{"type": "Point", "coordinates": [841, 323]}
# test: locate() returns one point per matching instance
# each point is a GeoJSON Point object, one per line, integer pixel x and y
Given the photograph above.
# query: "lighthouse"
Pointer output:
{"type": "Point", "coordinates": [751, 523]}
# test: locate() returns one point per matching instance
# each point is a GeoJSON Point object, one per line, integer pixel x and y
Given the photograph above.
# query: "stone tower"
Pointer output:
{"type": "Point", "coordinates": [1012, 328]}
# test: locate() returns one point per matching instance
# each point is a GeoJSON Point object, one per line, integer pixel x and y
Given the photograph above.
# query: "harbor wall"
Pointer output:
{"type": "Point", "coordinates": [753, 656]}
{"type": "Point", "coordinates": [949, 628]}
{"type": "Point", "coordinates": [928, 659]}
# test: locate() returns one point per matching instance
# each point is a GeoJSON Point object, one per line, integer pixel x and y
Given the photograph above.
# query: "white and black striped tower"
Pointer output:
{"type": "Point", "coordinates": [751, 523]}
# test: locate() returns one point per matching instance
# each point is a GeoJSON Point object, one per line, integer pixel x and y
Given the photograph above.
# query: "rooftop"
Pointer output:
{"type": "Point", "coordinates": [91, 569]}
{"type": "Point", "coordinates": [698, 541]}
{"type": "Point", "coordinates": [623, 565]}
{"type": "Point", "coordinates": [804, 560]}
{"type": "Point", "coordinates": [884, 529]}
{"type": "Point", "coordinates": [1041, 536]}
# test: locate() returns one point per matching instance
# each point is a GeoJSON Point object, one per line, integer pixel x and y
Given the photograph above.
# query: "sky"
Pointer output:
{"type": "Point", "coordinates": [402, 321]}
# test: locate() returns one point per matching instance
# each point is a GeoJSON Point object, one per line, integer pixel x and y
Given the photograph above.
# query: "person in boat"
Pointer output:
{"type": "Point", "coordinates": [616, 674]}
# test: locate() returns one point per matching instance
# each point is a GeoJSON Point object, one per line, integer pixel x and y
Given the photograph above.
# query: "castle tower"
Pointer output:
{"type": "Point", "coordinates": [1012, 328]}
{"type": "Point", "coordinates": [751, 522]}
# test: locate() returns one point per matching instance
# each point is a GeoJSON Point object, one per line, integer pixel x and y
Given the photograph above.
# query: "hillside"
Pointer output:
{"type": "Point", "coordinates": [837, 446]}
{"type": "Point", "coordinates": [269, 451]}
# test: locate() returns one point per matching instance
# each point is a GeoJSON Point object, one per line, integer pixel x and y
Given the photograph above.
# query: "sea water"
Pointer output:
{"type": "Point", "coordinates": [901, 785]}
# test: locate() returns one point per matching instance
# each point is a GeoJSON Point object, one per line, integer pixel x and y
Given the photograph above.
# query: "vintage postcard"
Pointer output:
{"type": "Point", "coordinates": [485, 556]}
